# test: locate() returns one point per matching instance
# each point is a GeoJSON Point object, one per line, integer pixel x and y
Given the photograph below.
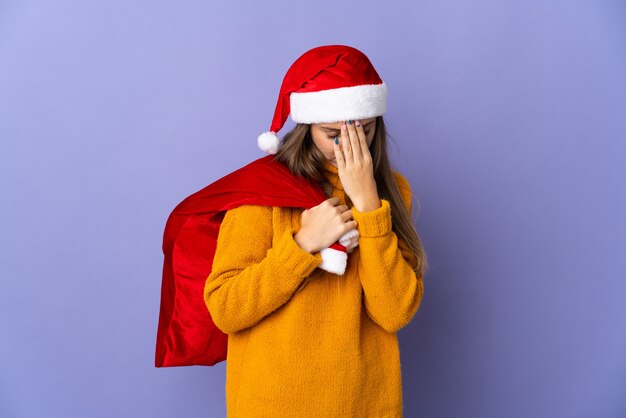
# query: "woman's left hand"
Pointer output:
{"type": "Point", "coordinates": [356, 172]}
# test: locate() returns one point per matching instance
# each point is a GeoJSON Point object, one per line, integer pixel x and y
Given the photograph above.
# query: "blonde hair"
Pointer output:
{"type": "Point", "coordinates": [298, 152]}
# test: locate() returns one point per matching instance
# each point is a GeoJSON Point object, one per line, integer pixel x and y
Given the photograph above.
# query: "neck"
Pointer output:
{"type": "Point", "coordinates": [332, 174]}
{"type": "Point", "coordinates": [330, 167]}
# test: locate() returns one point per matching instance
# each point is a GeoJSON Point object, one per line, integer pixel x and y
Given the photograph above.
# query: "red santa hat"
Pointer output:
{"type": "Point", "coordinates": [328, 83]}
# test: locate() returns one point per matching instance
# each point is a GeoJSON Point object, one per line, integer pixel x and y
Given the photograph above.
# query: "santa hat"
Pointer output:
{"type": "Point", "coordinates": [328, 83]}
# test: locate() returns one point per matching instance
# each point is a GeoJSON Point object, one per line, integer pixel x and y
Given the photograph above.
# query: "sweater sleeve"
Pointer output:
{"type": "Point", "coordinates": [250, 277]}
{"type": "Point", "coordinates": [392, 292]}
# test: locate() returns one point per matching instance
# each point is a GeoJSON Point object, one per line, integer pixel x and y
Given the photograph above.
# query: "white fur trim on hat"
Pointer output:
{"type": "Point", "coordinates": [334, 261]}
{"type": "Point", "coordinates": [268, 142]}
{"type": "Point", "coordinates": [356, 102]}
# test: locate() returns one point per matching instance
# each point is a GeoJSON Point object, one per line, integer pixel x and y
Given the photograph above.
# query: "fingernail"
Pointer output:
{"type": "Point", "coordinates": [357, 123]}
{"type": "Point", "coordinates": [350, 121]}
{"type": "Point", "coordinates": [336, 140]}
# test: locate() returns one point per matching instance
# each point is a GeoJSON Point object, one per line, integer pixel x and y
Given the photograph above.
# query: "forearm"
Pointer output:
{"type": "Point", "coordinates": [392, 292]}
{"type": "Point", "coordinates": [239, 296]}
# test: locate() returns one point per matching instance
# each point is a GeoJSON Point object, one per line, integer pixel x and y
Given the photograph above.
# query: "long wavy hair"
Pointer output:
{"type": "Point", "coordinates": [298, 152]}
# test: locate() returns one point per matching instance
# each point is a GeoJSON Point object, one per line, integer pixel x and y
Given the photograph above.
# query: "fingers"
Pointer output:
{"type": "Point", "coordinates": [341, 161]}
{"type": "Point", "coordinates": [342, 208]}
{"type": "Point", "coordinates": [347, 215]}
{"type": "Point", "coordinates": [362, 138]}
{"type": "Point", "coordinates": [355, 142]}
{"type": "Point", "coordinates": [333, 200]}
{"type": "Point", "coordinates": [346, 146]}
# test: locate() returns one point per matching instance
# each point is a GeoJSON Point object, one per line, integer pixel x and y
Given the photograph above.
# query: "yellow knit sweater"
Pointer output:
{"type": "Point", "coordinates": [326, 349]}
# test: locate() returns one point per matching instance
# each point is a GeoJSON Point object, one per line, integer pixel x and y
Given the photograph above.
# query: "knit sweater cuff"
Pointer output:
{"type": "Point", "coordinates": [293, 258]}
{"type": "Point", "coordinates": [374, 223]}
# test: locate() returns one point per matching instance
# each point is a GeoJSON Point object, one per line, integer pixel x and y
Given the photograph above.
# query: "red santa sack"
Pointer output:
{"type": "Point", "coordinates": [186, 334]}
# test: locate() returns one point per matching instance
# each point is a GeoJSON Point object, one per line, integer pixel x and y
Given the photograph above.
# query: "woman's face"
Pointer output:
{"type": "Point", "coordinates": [324, 135]}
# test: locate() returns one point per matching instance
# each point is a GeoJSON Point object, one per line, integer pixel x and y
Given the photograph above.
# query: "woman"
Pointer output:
{"type": "Point", "coordinates": [303, 341]}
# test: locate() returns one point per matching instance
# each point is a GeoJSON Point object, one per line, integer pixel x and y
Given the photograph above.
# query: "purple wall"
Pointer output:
{"type": "Point", "coordinates": [509, 120]}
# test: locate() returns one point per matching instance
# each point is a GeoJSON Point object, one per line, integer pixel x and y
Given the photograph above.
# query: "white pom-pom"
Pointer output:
{"type": "Point", "coordinates": [334, 261]}
{"type": "Point", "coordinates": [268, 142]}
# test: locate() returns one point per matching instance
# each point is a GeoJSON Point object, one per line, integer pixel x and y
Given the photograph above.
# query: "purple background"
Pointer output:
{"type": "Point", "coordinates": [509, 120]}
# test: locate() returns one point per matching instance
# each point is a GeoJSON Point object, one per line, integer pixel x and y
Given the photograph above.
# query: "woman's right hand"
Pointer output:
{"type": "Point", "coordinates": [322, 225]}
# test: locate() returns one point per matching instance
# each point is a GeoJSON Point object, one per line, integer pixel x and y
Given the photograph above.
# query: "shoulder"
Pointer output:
{"type": "Point", "coordinates": [404, 187]}
{"type": "Point", "coordinates": [250, 217]}
{"type": "Point", "coordinates": [401, 181]}
{"type": "Point", "coordinates": [244, 235]}
{"type": "Point", "coordinates": [249, 210]}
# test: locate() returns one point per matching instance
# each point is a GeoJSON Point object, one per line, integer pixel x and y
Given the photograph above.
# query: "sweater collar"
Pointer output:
{"type": "Point", "coordinates": [332, 174]}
